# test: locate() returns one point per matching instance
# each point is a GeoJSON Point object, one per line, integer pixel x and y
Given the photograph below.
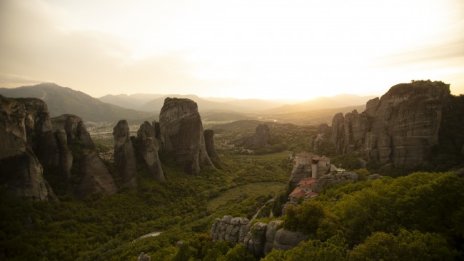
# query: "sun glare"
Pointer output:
{"type": "Point", "coordinates": [264, 49]}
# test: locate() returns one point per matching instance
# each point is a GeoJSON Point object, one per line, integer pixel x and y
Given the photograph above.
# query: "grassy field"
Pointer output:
{"type": "Point", "coordinates": [237, 194]}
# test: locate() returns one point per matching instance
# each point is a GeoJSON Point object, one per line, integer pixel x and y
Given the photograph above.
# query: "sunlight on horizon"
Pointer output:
{"type": "Point", "coordinates": [246, 49]}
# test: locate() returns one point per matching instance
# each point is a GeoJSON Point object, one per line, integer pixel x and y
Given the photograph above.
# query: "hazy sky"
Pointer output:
{"type": "Point", "coordinates": [292, 49]}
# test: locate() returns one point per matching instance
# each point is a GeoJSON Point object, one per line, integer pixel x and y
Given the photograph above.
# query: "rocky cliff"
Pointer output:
{"type": "Point", "coordinates": [259, 238]}
{"type": "Point", "coordinates": [260, 138]}
{"type": "Point", "coordinates": [36, 148]}
{"type": "Point", "coordinates": [400, 128]}
{"type": "Point", "coordinates": [124, 155]}
{"type": "Point", "coordinates": [79, 161]}
{"type": "Point", "coordinates": [147, 147]}
{"type": "Point", "coordinates": [23, 123]}
{"type": "Point", "coordinates": [182, 134]}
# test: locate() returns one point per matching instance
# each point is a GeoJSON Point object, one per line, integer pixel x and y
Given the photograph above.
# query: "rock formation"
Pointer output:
{"type": "Point", "coordinates": [259, 238]}
{"type": "Point", "coordinates": [24, 127]}
{"type": "Point", "coordinates": [124, 156]}
{"type": "Point", "coordinates": [210, 148]}
{"type": "Point", "coordinates": [401, 128]}
{"type": "Point", "coordinates": [260, 139]}
{"type": "Point", "coordinates": [79, 158]}
{"type": "Point", "coordinates": [182, 134]}
{"type": "Point", "coordinates": [147, 147]}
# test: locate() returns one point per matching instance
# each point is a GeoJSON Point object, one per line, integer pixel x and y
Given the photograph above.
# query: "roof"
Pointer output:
{"type": "Point", "coordinates": [306, 182]}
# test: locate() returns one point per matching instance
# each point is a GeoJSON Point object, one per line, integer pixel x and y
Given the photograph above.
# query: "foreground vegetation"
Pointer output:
{"type": "Point", "coordinates": [105, 228]}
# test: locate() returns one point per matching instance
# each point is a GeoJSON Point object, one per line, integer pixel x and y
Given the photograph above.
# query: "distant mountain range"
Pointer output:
{"type": "Point", "coordinates": [154, 103]}
{"type": "Point", "coordinates": [322, 103]}
{"type": "Point", "coordinates": [61, 100]}
{"type": "Point", "coordinates": [137, 107]}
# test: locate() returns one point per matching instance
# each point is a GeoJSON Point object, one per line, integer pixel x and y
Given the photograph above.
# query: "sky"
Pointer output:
{"type": "Point", "coordinates": [268, 49]}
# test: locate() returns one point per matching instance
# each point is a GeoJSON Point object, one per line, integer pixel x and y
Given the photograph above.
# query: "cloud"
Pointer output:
{"type": "Point", "coordinates": [35, 45]}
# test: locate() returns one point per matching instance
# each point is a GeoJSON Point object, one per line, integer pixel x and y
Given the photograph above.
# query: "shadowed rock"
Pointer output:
{"type": "Point", "coordinates": [124, 156]}
{"type": "Point", "coordinates": [182, 134]}
{"type": "Point", "coordinates": [259, 140]}
{"type": "Point", "coordinates": [23, 123]}
{"type": "Point", "coordinates": [79, 159]}
{"type": "Point", "coordinates": [147, 149]}
{"type": "Point", "coordinates": [210, 148]}
{"type": "Point", "coordinates": [400, 128]}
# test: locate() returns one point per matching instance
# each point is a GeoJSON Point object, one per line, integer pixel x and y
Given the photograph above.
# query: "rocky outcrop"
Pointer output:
{"type": "Point", "coordinates": [182, 134]}
{"type": "Point", "coordinates": [25, 129]}
{"type": "Point", "coordinates": [400, 128]}
{"type": "Point", "coordinates": [260, 139]}
{"type": "Point", "coordinates": [211, 149]}
{"type": "Point", "coordinates": [230, 229]}
{"type": "Point", "coordinates": [38, 148]}
{"type": "Point", "coordinates": [147, 147]}
{"type": "Point", "coordinates": [259, 238]}
{"type": "Point", "coordinates": [79, 160]}
{"type": "Point", "coordinates": [124, 155]}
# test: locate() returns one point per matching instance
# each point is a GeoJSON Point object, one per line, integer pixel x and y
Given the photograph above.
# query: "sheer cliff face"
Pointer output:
{"type": "Point", "coordinates": [182, 134]}
{"type": "Point", "coordinates": [124, 155]}
{"type": "Point", "coordinates": [77, 152]}
{"type": "Point", "coordinates": [22, 123]}
{"type": "Point", "coordinates": [399, 128]}
{"type": "Point", "coordinates": [33, 145]}
{"type": "Point", "coordinates": [147, 149]}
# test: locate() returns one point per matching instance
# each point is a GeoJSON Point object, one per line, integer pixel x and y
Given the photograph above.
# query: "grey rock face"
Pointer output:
{"type": "Point", "coordinates": [77, 149]}
{"type": "Point", "coordinates": [210, 149]}
{"type": "Point", "coordinates": [95, 177]}
{"type": "Point", "coordinates": [182, 134]}
{"type": "Point", "coordinates": [399, 128]}
{"type": "Point", "coordinates": [255, 240]}
{"type": "Point", "coordinates": [259, 239]}
{"type": "Point", "coordinates": [230, 229]}
{"type": "Point", "coordinates": [124, 156]}
{"type": "Point", "coordinates": [23, 123]}
{"type": "Point", "coordinates": [147, 148]}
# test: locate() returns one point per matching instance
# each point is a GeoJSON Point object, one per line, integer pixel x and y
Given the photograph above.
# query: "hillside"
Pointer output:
{"type": "Point", "coordinates": [63, 100]}
{"type": "Point", "coordinates": [133, 101]}
{"type": "Point", "coordinates": [322, 103]}
{"type": "Point", "coordinates": [154, 102]}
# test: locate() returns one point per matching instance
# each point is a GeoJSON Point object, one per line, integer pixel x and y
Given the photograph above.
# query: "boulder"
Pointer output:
{"type": "Point", "coordinates": [124, 155]}
{"type": "Point", "coordinates": [182, 134]}
{"type": "Point", "coordinates": [147, 150]}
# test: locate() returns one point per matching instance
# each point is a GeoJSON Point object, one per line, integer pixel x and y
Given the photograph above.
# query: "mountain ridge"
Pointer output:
{"type": "Point", "coordinates": [64, 100]}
